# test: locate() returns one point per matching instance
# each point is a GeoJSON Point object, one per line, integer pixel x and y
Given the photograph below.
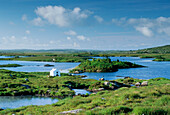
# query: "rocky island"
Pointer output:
{"type": "Point", "coordinates": [103, 65]}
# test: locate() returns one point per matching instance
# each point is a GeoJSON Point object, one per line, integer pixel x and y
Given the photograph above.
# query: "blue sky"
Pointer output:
{"type": "Point", "coordinates": [84, 24]}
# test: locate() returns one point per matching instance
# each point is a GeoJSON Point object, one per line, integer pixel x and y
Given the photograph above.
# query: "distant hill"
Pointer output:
{"type": "Point", "coordinates": [155, 50]}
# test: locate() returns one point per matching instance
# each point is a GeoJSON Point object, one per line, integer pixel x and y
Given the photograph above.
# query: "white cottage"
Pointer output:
{"type": "Point", "coordinates": [54, 72]}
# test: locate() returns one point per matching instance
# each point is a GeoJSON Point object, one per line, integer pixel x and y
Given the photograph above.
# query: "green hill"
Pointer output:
{"type": "Point", "coordinates": [155, 50]}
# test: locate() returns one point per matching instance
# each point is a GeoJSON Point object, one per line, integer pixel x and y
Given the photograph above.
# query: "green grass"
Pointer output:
{"type": "Point", "coordinates": [10, 65]}
{"type": "Point", "coordinates": [103, 65]}
{"type": "Point", "coordinates": [49, 57]}
{"type": "Point", "coordinates": [149, 100]}
{"type": "Point", "coordinates": [38, 83]}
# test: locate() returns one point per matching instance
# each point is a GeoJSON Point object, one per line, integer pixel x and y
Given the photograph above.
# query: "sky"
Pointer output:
{"type": "Point", "coordinates": [84, 24]}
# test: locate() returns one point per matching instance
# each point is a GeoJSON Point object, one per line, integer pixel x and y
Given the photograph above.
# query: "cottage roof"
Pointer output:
{"type": "Point", "coordinates": [54, 69]}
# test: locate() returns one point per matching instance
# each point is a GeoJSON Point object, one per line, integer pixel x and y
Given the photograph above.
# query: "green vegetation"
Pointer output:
{"type": "Point", "coordinates": [10, 65]}
{"type": "Point", "coordinates": [103, 65]}
{"type": "Point", "coordinates": [38, 83]}
{"type": "Point", "coordinates": [159, 53]}
{"type": "Point", "coordinates": [155, 50]}
{"type": "Point", "coordinates": [48, 65]}
{"type": "Point", "coordinates": [153, 99]}
{"type": "Point", "coordinates": [50, 58]}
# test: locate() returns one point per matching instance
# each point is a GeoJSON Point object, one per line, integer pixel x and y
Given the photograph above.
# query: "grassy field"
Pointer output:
{"type": "Point", "coordinates": [39, 83]}
{"type": "Point", "coordinates": [153, 99]}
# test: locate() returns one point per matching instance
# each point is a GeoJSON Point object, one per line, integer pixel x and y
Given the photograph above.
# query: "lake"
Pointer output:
{"type": "Point", "coordinates": [18, 101]}
{"type": "Point", "coordinates": [81, 91]}
{"type": "Point", "coordinates": [153, 70]}
{"type": "Point", "coordinates": [36, 66]}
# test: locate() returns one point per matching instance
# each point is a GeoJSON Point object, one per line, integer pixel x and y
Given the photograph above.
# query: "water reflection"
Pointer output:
{"type": "Point", "coordinates": [153, 70]}
{"type": "Point", "coordinates": [36, 66]}
{"type": "Point", "coordinates": [18, 101]}
{"type": "Point", "coordinates": [81, 91]}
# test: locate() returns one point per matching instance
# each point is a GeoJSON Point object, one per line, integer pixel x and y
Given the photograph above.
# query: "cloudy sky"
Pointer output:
{"type": "Point", "coordinates": [84, 24]}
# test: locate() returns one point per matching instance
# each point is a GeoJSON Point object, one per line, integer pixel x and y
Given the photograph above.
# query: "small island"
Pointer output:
{"type": "Point", "coordinates": [103, 65]}
{"type": "Point", "coordinates": [10, 65]}
{"type": "Point", "coordinates": [48, 65]}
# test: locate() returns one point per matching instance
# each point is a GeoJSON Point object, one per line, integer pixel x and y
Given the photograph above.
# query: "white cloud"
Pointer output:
{"type": "Point", "coordinates": [81, 37]}
{"type": "Point", "coordinates": [27, 32]}
{"type": "Point", "coordinates": [38, 21]}
{"type": "Point", "coordinates": [76, 45]}
{"type": "Point", "coordinates": [12, 38]}
{"type": "Point", "coordinates": [24, 17]}
{"type": "Point", "coordinates": [98, 18]}
{"type": "Point", "coordinates": [9, 39]}
{"type": "Point", "coordinates": [164, 30]}
{"type": "Point", "coordinates": [145, 31]}
{"type": "Point", "coordinates": [147, 26]}
{"type": "Point", "coordinates": [71, 33]}
{"type": "Point", "coordinates": [25, 38]}
{"type": "Point", "coordinates": [68, 38]}
{"type": "Point", "coordinates": [60, 16]}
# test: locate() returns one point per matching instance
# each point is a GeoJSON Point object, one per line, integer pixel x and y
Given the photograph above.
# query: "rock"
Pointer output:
{"type": "Point", "coordinates": [71, 111]}
{"type": "Point", "coordinates": [100, 89]}
{"type": "Point", "coordinates": [106, 83]}
{"type": "Point", "coordinates": [48, 65]}
{"type": "Point", "coordinates": [98, 70]}
{"type": "Point", "coordinates": [101, 79]}
{"type": "Point", "coordinates": [77, 72]}
{"type": "Point", "coordinates": [15, 91]}
{"type": "Point", "coordinates": [138, 84]}
{"type": "Point", "coordinates": [84, 76]}
{"type": "Point", "coordinates": [144, 83]}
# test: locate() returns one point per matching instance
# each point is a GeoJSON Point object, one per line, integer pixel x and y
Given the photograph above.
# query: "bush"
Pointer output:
{"type": "Point", "coordinates": [110, 111]}
{"type": "Point", "coordinates": [150, 111]}
{"type": "Point", "coordinates": [163, 101]}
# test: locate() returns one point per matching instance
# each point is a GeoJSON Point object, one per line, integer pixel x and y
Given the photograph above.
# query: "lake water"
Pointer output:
{"type": "Point", "coordinates": [7, 56]}
{"type": "Point", "coordinates": [153, 70]}
{"type": "Point", "coordinates": [19, 101]}
{"type": "Point", "coordinates": [36, 66]}
{"type": "Point", "coordinates": [81, 91]}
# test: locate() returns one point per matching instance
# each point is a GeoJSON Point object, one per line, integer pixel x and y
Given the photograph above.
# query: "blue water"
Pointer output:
{"type": "Point", "coordinates": [7, 56]}
{"type": "Point", "coordinates": [81, 91]}
{"type": "Point", "coordinates": [19, 101]}
{"type": "Point", "coordinates": [37, 66]}
{"type": "Point", "coordinates": [153, 70]}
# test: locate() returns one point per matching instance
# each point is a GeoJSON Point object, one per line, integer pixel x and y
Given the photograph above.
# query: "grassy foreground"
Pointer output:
{"type": "Point", "coordinates": [153, 99]}
{"type": "Point", "coordinates": [41, 84]}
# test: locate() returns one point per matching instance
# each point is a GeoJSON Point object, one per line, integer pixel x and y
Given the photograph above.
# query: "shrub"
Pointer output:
{"type": "Point", "coordinates": [150, 111]}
